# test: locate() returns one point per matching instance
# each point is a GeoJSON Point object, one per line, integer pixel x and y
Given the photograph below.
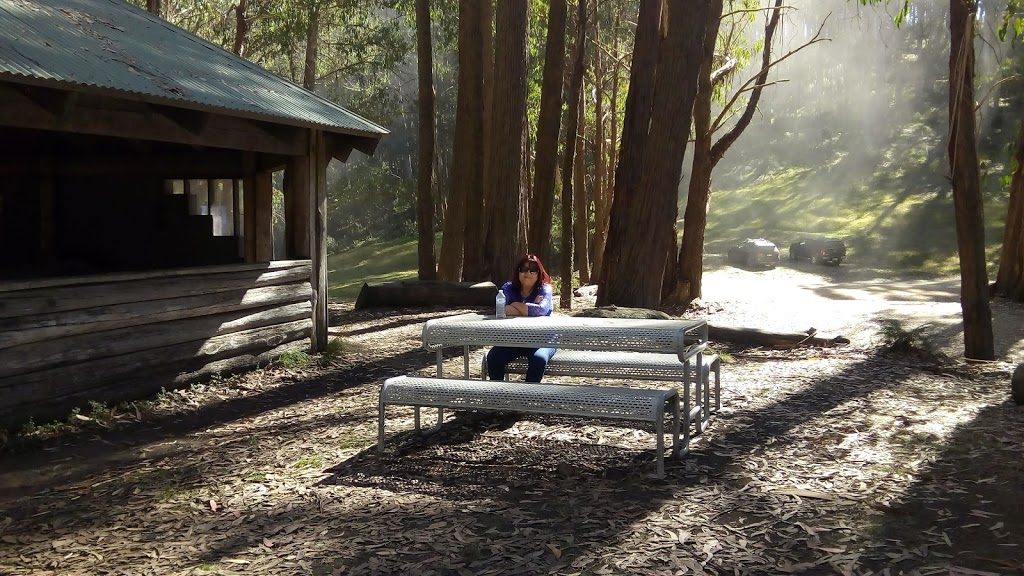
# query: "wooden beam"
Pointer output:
{"type": "Point", "coordinates": [193, 121]}
{"type": "Point", "coordinates": [263, 215]}
{"type": "Point", "coordinates": [296, 207]}
{"type": "Point", "coordinates": [236, 213]}
{"type": "Point", "coordinates": [318, 160]}
{"type": "Point", "coordinates": [215, 164]}
{"type": "Point", "coordinates": [34, 108]}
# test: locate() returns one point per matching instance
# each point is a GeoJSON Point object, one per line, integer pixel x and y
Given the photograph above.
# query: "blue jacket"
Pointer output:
{"type": "Point", "coordinates": [538, 302]}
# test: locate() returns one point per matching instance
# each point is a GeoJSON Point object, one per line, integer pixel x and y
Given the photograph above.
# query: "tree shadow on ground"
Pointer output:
{"type": "Point", "coordinates": [967, 501]}
{"type": "Point", "coordinates": [474, 499]}
{"type": "Point", "coordinates": [94, 449]}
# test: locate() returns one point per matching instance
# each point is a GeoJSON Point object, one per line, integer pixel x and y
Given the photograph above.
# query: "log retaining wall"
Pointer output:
{"type": "Point", "coordinates": [113, 337]}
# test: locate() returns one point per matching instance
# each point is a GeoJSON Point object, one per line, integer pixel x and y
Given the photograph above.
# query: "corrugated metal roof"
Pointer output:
{"type": "Point", "coordinates": [112, 45]}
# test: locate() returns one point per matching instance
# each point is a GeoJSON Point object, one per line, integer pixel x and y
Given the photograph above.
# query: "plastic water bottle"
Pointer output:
{"type": "Point", "coordinates": [499, 305]}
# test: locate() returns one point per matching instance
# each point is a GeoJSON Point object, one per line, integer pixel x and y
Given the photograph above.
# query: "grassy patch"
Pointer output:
{"type": "Point", "coordinates": [894, 215]}
{"type": "Point", "coordinates": [294, 359]}
{"type": "Point", "coordinates": [309, 461]}
{"type": "Point", "coordinates": [370, 262]}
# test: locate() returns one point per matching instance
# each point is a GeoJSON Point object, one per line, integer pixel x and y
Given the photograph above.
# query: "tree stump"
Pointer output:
{"type": "Point", "coordinates": [1017, 385]}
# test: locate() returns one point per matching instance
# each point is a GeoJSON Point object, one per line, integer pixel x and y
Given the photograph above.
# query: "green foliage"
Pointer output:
{"type": "Point", "coordinates": [294, 359]}
{"type": "Point", "coordinates": [309, 461]}
{"type": "Point", "coordinates": [370, 262]}
{"type": "Point", "coordinates": [371, 201]}
{"type": "Point", "coordinates": [335, 348]}
{"type": "Point", "coordinates": [897, 338]}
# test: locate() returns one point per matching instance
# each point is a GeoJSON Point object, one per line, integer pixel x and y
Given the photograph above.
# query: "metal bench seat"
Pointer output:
{"type": "Point", "coordinates": [611, 402]}
{"type": "Point", "coordinates": [631, 365]}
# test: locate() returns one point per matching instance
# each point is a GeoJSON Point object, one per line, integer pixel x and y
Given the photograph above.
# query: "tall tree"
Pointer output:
{"type": "Point", "coordinates": [580, 200]}
{"type": "Point", "coordinates": [543, 201]}
{"type": "Point", "coordinates": [1010, 277]}
{"type": "Point", "coordinates": [425, 164]}
{"type": "Point", "coordinates": [475, 261]}
{"type": "Point", "coordinates": [507, 120]}
{"type": "Point", "coordinates": [312, 47]}
{"type": "Point", "coordinates": [574, 96]}
{"type": "Point", "coordinates": [967, 200]}
{"type": "Point", "coordinates": [636, 279]}
{"type": "Point", "coordinates": [466, 157]}
{"type": "Point", "coordinates": [706, 153]}
{"type": "Point", "coordinates": [241, 27]}
{"type": "Point", "coordinates": [631, 150]}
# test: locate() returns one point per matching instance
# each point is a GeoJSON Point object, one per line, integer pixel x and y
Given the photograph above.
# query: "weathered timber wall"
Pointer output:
{"type": "Point", "coordinates": [66, 341]}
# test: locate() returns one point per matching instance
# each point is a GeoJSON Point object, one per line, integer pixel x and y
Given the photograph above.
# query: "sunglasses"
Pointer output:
{"type": "Point", "coordinates": [528, 269]}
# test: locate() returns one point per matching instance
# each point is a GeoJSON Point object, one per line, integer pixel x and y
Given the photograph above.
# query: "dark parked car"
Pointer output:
{"type": "Point", "coordinates": [755, 252]}
{"type": "Point", "coordinates": [818, 250]}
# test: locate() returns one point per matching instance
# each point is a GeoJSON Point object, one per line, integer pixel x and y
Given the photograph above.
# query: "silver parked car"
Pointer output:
{"type": "Point", "coordinates": [755, 252]}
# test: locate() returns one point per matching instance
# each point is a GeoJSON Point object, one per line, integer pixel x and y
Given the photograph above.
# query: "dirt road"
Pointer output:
{"type": "Point", "coordinates": [847, 301]}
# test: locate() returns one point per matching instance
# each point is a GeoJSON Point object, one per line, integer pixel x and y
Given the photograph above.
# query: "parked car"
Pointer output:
{"type": "Point", "coordinates": [818, 250]}
{"type": "Point", "coordinates": [755, 252]}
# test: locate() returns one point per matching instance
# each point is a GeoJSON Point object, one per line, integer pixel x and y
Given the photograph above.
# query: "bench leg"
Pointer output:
{"type": "Point", "coordinates": [380, 429]}
{"type": "Point", "coordinates": [684, 448]}
{"type": "Point", "coordinates": [676, 448]}
{"type": "Point", "coordinates": [659, 427]}
{"type": "Point", "coordinates": [717, 367]}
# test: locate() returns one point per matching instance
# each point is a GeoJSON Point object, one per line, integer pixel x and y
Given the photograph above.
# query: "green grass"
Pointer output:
{"type": "Point", "coordinates": [892, 207]}
{"type": "Point", "coordinates": [899, 218]}
{"type": "Point", "coordinates": [370, 262]}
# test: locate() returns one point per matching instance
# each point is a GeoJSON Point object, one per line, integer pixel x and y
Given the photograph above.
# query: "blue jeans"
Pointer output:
{"type": "Point", "coordinates": [499, 357]}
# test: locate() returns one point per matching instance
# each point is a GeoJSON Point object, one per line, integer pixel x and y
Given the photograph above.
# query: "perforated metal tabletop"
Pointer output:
{"type": "Point", "coordinates": [684, 338]}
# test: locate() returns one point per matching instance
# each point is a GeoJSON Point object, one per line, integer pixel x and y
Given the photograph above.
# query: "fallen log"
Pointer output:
{"type": "Point", "coordinates": [736, 335]}
{"type": "Point", "coordinates": [755, 337]}
{"type": "Point", "coordinates": [426, 293]}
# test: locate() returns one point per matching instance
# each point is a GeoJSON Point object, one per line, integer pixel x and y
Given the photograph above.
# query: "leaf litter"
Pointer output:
{"type": "Point", "coordinates": [841, 461]}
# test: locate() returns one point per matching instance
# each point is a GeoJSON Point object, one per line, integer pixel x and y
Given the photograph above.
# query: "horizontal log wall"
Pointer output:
{"type": "Point", "coordinates": [67, 341]}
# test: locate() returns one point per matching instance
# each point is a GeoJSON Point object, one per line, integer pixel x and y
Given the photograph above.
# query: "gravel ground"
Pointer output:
{"type": "Point", "coordinates": [850, 302]}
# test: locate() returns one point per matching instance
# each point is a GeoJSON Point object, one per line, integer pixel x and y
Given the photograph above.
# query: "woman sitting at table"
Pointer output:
{"type": "Point", "coordinates": [529, 293]}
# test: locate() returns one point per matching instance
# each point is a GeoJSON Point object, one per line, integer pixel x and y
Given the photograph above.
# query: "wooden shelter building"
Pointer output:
{"type": "Point", "coordinates": [136, 207]}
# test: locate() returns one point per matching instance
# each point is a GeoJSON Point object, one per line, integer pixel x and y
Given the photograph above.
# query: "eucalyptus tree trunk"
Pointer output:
{"type": "Point", "coordinates": [622, 224]}
{"type": "Point", "coordinates": [1010, 278]}
{"type": "Point", "coordinates": [548, 122]}
{"type": "Point", "coordinates": [574, 95]}
{"type": "Point", "coordinates": [312, 44]}
{"type": "Point", "coordinates": [507, 120]}
{"type": "Point", "coordinates": [707, 154]}
{"type": "Point", "coordinates": [467, 154]}
{"type": "Point", "coordinates": [636, 279]}
{"type": "Point", "coordinates": [475, 262]}
{"type": "Point", "coordinates": [598, 147]}
{"type": "Point", "coordinates": [580, 199]}
{"type": "Point", "coordinates": [426, 136]}
{"type": "Point", "coordinates": [967, 201]}
{"type": "Point", "coordinates": [241, 27]}
{"type": "Point", "coordinates": [603, 212]}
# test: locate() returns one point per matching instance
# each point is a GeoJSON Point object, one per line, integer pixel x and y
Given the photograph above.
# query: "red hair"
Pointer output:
{"type": "Point", "coordinates": [542, 274]}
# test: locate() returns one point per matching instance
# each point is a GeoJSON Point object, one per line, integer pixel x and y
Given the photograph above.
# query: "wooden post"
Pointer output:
{"type": "Point", "coordinates": [236, 213]}
{"type": "Point", "coordinates": [296, 208]}
{"type": "Point", "coordinates": [318, 160]}
{"type": "Point", "coordinates": [249, 202]}
{"type": "Point", "coordinates": [263, 219]}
